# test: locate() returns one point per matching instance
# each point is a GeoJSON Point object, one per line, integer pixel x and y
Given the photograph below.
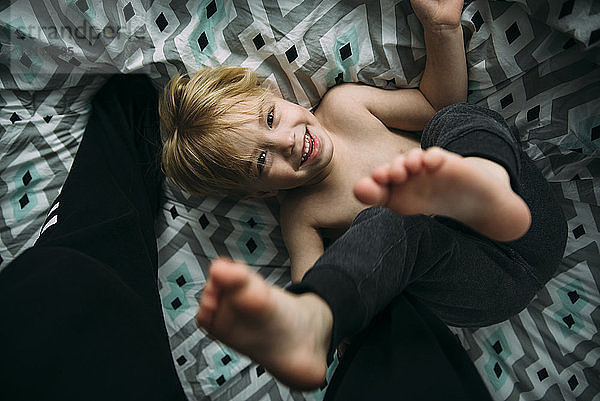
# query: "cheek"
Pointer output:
{"type": "Point", "coordinates": [283, 175]}
{"type": "Point", "coordinates": [285, 172]}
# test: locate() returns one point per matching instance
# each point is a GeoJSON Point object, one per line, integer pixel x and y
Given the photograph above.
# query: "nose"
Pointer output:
{"type": "Point", "coordinates": [285, 142]}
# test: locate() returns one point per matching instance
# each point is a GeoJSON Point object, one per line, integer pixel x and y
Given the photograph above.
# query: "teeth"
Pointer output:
{"type": "Point", "coordinates": [307, 147]}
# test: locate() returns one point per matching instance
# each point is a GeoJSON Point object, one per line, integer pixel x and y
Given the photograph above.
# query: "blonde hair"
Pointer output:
{"type": "Point", "coordinates": [201, 116]}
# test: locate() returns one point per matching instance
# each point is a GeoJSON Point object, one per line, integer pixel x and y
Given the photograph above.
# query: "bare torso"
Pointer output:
{"type": "Point", "coordinates": [353, 116]}
{"type": "Point", "coordinates": [362, 143]}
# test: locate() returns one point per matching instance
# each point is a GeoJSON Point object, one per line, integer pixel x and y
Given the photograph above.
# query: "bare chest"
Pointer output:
{"type": "Point", "coordinates": [356, 159]}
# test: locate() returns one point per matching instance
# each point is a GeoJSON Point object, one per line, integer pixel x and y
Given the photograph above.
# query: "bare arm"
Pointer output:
{"type": "Point", "coordinates": [444, 80]}
{"type": "Point", "coordinates": [348, 105]}
{"type": "Point", "coordinates": [302, 239]}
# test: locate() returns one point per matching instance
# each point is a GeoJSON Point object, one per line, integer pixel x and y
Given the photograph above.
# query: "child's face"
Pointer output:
{"type": "Point", "coordinates": [291, 148]}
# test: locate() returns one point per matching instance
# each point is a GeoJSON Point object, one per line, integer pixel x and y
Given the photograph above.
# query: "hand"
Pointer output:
{"type": "Point", "coordinates": [438, 13]}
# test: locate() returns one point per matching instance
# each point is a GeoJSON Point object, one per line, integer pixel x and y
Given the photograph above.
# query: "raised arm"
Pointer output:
{"type": "Point", "coordinates": [444, 80]}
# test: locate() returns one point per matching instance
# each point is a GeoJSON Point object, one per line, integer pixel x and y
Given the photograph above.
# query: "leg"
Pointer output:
{"type": "Point", "coordinates": [471, 190]}
{"type": "Point", "coordinates": [94, 266]}
{"type": "Point", "coordinates": [473, 131]}
{"type": "Point", "coordinates": [399, 353]}
{"type": "Point", "coordinates": [107, 205]}
{"type": "Point", "coordinates": [80, 331]}
{"type": "Point", "coordinates": [465, 278]}
{"type": "Point", "coordinates": [474, 190]}
{"type": "Point", "coordinates": [291, 335]}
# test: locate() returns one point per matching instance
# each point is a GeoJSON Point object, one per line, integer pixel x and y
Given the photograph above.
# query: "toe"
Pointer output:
{"type": "Point", "coordinates": [381, 175]}
{"type": "Point", "coordinates": [226, 273]}
{"type": "Point", "coordinates": [205, 313]}
{"type": "Point", "coordinates": [368, 191]}
{"type": "Point", "coordinates": [414, 161]}
{"type": "Point", "coordinates": [398, 172]}
{"type": "Point", "coordinates": [433, 158]}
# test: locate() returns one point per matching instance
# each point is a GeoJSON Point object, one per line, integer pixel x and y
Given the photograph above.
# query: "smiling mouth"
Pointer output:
{"type": "Point", "coordinates": [309, 145]}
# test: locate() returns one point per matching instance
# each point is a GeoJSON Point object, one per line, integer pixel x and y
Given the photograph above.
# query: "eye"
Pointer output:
{"type": "Point", "coordinates": [270, 117]}
{"type": "Point", "coordinates": [261, 161]}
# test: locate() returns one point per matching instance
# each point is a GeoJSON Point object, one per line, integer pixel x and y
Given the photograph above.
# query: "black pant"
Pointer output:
{"type": "Point", "coordinates": [81, 310]}
{"type": "Point", "coordinates": [466, 279]}
{"type": "Point", "coordinates": [420, 264]}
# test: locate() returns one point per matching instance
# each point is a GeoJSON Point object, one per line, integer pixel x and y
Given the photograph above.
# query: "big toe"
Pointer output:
{"type": "Point", "coordinates": [433, 158]}
{"type": "Point", "coordinates": [368, 191]}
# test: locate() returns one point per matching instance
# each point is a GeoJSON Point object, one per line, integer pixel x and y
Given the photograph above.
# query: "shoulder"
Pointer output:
{"type": "Point", "coordinates": [346, 93]}
{"type": "Point", "coordinates": [345, 104]}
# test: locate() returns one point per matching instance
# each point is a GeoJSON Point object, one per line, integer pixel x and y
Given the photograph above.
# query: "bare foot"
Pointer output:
{"type": "Point", "coordinates": [287, 334]}
{"type": "Point", "coordinates": [472, 190]}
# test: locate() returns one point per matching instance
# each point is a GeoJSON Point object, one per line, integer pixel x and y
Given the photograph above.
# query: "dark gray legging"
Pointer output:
{"type": "Point", "coordinates": [464, 278]}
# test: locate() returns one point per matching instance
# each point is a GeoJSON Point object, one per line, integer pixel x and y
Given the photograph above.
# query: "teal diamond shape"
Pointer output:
{"type": "Point", "coordinates": [344, 43]}
{"type": "Point", "coordinates": [250, 243]}
{"type": "Point", "coordinates": [206, 28]}
{"type": "Point", "coordinates": [584, 138]}
{"type": "Point", "coordinates": [475, 92]}
{"type": "Point", "coordinates": [90, 13]}
{"type": "Point", "coordinates": [226, 365]}
{"type": "Point", "coordinates": [568, 318]}
{"type": "Point", "coordinates": [176, 302]}
{"type": "Point", "coordinates": [498, 349]}
{"type": "Point", "coordinates": [25, 198]}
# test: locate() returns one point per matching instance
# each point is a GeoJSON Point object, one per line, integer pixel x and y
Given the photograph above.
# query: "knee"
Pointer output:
{"type": "Point", "coordinates": [454, 121]}
{"type": "Point", "coordinates": [468, 113]}
{"type": "Point", "coordinates": [468, 109]}
{"type": "Point", "coordinates": [504, 303]}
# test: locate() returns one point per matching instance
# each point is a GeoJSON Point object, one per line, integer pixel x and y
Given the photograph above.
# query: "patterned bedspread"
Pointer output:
{"type": "Point", "coordinates": [534, 61]}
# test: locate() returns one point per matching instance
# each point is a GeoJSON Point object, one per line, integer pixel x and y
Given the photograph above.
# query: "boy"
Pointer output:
{"type": "Point", "coordinates": [466, 279]}
{"type": "Point", "coordinates": [502, 242]}
{"type": "Point", "coordinates": [317, 158]}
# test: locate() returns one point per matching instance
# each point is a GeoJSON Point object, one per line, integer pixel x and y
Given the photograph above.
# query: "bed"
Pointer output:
{"type": "Point", "coordinates": [534, 61]}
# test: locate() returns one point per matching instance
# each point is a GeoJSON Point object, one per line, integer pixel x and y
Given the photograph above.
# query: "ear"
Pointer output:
{"type": "Point", "coordinates": [260, 195]}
